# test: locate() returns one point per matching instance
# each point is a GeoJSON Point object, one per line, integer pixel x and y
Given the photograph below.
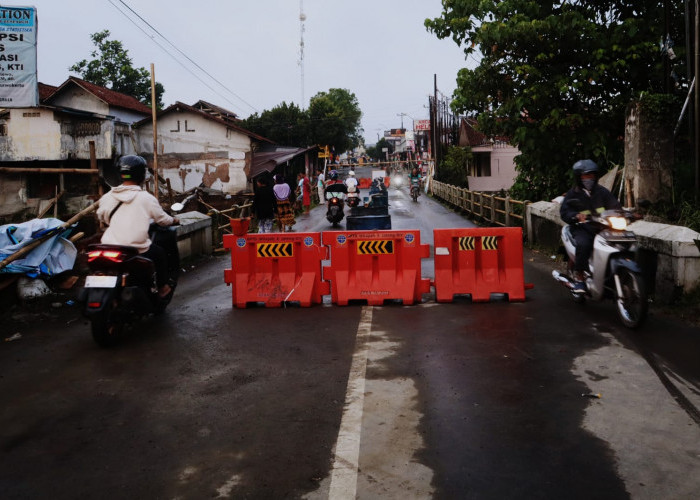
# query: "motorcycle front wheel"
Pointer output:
{"type": "Point", "coordinates": [106, 330]}
{"type": "Point", "coordinates": [632, 305]}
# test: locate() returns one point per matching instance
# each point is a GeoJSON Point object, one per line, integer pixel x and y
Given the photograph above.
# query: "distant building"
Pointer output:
{"type": "Point", "coordinates": [492, 167]}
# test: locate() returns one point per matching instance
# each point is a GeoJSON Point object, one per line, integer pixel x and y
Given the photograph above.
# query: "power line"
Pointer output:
{"type": "Point", "coordinates": [179, 51]}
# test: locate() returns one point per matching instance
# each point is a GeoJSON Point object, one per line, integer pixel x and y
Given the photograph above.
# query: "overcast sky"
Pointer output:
{"type": "Point", "coordinates": [377, 49]}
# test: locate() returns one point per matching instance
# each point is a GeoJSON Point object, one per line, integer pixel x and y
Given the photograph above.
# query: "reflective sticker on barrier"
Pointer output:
{"type": "Point", "coordinates": [367, 247]}
{"type": "Point", "coordinates": [466, 243]}
{"type": "Point", "coordinates": [489, 242]}
{"type": "Point", "coordinates": [409, 238]}
{"type": "Point", "coordinates": [308, 241]}
{"type": "Point", "coordinates": [275, 250]}
{"type": "Point", "coordinates": [341, 239]}
{"type": "Point", "coordinates": [240, 242]}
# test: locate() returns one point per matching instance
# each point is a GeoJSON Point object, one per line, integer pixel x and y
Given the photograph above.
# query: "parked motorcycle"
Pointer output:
{"type": "Point", "coordinates": [121, 287]}
{"type": "Point", "coordinates": [336, 207]}
{"type": "Point", "coordinates": [612, 270]}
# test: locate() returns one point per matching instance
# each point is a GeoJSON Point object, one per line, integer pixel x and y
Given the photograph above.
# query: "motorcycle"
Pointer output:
{"type": "Point", "coordinates": [612, 271]}
{"type": "Point", "coordinates": [121, 285]}
{"type": "Point", "coordinates": [336, 207]}
{"type": "Point", "coordinates": [415, 189]}
{"type": "Point", "coordinates": [353, 199]}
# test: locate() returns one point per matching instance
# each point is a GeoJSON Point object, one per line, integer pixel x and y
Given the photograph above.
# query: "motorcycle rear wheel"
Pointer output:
{"type": "Point", "coordinates": [106, 330]}
{"type": "Point", "coordinates": [632, 306]}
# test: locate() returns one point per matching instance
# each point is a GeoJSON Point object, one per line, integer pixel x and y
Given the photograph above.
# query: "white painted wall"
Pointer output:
{"type": "Point", "coordinates": [502, 169]}
{"type": "Point", "coordinates": [77, 98]}
{"type": "Point", "coordinates": [198, 136]}
{"type": "Point", "coordinates": [32, 137]}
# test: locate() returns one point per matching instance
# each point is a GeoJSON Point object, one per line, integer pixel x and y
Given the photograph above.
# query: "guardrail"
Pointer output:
{"type": "Point", "coordinates": [497, 210]}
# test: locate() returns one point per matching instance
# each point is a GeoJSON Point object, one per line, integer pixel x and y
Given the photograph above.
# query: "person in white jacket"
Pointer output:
{"type": "Point", "coordinates": [128, 211]}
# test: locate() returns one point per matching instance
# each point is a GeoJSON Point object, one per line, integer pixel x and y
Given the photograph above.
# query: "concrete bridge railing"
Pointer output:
{"type": "Point", "coordinates": [670, 255]}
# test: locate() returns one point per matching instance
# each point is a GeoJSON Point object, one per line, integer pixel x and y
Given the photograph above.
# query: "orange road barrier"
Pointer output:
{"type": "Point", "coordinates": [276, 268]}
{"type": "Point", "coordinates": [375, 266]}
{"type": "Point", "coordinates": [479, 262]}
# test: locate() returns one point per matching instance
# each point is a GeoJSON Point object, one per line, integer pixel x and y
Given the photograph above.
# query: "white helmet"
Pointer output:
{"type": "Point", "coordinates": [351, 173]}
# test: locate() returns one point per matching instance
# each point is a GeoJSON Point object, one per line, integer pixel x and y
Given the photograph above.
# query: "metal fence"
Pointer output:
{"type": "Point", "coordinates": [496, 210]}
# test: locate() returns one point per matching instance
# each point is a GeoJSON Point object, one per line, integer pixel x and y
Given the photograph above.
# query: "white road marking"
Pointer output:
{"type": "Point", "coordinates": [347, 448]}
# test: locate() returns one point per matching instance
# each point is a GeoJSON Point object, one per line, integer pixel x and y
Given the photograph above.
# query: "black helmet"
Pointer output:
{"type": "Point", "coordinates": [585, 167]}
{"type": "Point", "coordinates": [334, 175]}
{"type": "Point", "coordinates": [132, 168]}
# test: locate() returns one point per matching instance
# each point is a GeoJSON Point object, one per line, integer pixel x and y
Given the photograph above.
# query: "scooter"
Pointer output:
{"type": "Point", "coordinates": [336, 207]}
{"type": "Point", "coordinates": [353, 199]}
{"type": "Point", "coordinates": [121, 287]}
{"type": "Point", "coordinates": [612, 270]}
{"type": "Point", "coordinates": [415, 189]}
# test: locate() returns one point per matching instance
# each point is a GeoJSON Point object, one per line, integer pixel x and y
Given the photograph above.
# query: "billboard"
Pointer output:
{"type": "Point", "coordinates": [19, 87]}
{"type": "Point", "coordinates": [421, 125]}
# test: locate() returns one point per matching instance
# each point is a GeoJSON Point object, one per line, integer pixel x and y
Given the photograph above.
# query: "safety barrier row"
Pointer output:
{"type": "Point", "coordinates": [374, 266]}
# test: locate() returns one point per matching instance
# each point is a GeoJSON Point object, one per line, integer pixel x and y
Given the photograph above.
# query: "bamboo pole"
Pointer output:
{"type": "Point", "coordinates": [37, 170]}
{"type": "Point", "coordinates": [155, 130]}
{"type": "Point", "coordinates": [32, 245]}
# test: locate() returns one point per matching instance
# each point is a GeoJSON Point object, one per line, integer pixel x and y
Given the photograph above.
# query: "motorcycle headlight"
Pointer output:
{"type": "Point", "coordinates": [619, 223]}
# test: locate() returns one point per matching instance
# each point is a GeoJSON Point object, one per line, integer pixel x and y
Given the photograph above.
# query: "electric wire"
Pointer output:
{"type": "Point", "coordinates": [189, 70]}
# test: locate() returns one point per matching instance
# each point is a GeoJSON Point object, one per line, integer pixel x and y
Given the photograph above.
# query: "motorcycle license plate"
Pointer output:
{"type": "Point", "coordinates": [100, 281]}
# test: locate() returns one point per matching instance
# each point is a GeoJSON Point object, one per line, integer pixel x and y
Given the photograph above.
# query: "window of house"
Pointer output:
{"type": "Point", "coordinates": [83, 129]}
{"type": "Point", "coordinates": [480, 165]}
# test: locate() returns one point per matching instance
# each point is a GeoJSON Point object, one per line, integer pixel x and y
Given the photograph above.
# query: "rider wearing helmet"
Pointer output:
{"type": "Point", "coordinates": [128, 210]}
{"type": "Point", "coordinates": [351, 181]}
{"type": "Point", "coordinates": [335, 185]}
{"type": "Point", "coordinates": [590, 198]}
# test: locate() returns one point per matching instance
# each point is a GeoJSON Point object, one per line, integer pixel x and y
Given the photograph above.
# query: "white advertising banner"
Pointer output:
{"type": "Point", "coordinates": [19, 87]}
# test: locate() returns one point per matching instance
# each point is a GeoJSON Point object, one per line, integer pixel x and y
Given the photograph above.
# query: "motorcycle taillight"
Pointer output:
{"type": "Point", "coordinates": [113, 255]}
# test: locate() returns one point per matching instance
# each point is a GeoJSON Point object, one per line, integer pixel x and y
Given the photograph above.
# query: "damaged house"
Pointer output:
{"type": "Point", "coordinates": [59, 147]}
{"type": "Point", "coordinates": [200, 146]}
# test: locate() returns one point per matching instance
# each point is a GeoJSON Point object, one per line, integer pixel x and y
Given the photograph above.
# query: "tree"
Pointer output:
{"type": "Point", "coordinates": [111, 67]}
{"type": "Point", "coordinates": [332, 119]}
{"type": "Point", "coordinates": [377, 152]}
{"type": "Point", "coordinates": [556, 77]}
{"type": "Point", "coordinates": [286, 124]}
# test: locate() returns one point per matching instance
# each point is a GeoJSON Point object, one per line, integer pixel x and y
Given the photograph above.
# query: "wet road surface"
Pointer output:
{"type": "Point", "coordinates": [459, 400]}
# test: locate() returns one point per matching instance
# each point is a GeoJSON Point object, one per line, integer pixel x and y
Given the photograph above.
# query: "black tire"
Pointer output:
{"type": "Point", "coordinates": [414, 194]}
{"type": "Point", "coordinates": [106, 331]}
{"type": "Point", "coordinates": [632, 306]}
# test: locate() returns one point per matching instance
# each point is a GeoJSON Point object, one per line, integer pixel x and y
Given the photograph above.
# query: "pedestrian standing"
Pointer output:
{"type": "Point", "coordinates": [306, 187]}
{"type": "Point", "coordinates": [264, 205]}
{"type": "Point", "coordinates": [285, 211]}
{"type": "Point", "coordinates": [321, 187]}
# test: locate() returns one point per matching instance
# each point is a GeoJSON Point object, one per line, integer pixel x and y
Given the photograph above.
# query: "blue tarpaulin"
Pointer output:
{"type": "Point", "coordinates": [53, 256]}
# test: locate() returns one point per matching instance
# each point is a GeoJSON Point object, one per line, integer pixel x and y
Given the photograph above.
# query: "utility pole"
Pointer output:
{"type": "Point", "coordinates": [696, 113]}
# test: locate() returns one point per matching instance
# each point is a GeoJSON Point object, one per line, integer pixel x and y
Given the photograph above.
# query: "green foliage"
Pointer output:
{"type": "Point", "coordinates": [333, 119]}
{"type": "Point", "coordinates": [111, 67]}
{"type": "Point", "coordinates": [453, 169]}
{"type": "Point", "coordinates": [556, 77]}
{"type": "Point", "coordinates": [376, 150]}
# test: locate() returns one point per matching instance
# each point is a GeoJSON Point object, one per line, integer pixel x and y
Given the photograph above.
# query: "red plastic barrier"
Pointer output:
{"type": "Point", "coordinates": [479, 262]}
{"type": "Point", "coordinates": [275, 268]}
{"type": "Point", "coordinates": [364, 182]}
{"type": "Point", "coordinates": [376, 266]}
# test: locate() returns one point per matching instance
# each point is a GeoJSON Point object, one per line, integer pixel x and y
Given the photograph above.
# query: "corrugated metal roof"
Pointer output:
{"type": "Point", "coordinates": [268, 158]}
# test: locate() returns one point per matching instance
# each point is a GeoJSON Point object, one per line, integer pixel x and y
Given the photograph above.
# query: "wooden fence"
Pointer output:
{"type": "Point", "coordinates": [496, 210]}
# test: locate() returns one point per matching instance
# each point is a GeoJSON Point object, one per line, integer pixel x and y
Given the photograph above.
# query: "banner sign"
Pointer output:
{"type": "Point", "coordinates": [421, 125]}
{"type": "Point", "coordinates": [19, 86]}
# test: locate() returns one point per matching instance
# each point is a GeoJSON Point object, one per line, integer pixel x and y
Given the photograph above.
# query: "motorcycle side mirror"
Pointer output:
{"type": "Point", "coordinates": [177, 207]}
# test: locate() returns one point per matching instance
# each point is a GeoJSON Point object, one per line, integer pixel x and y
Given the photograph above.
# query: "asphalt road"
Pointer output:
{"type": "Point", "coordinates": [458, 400]}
